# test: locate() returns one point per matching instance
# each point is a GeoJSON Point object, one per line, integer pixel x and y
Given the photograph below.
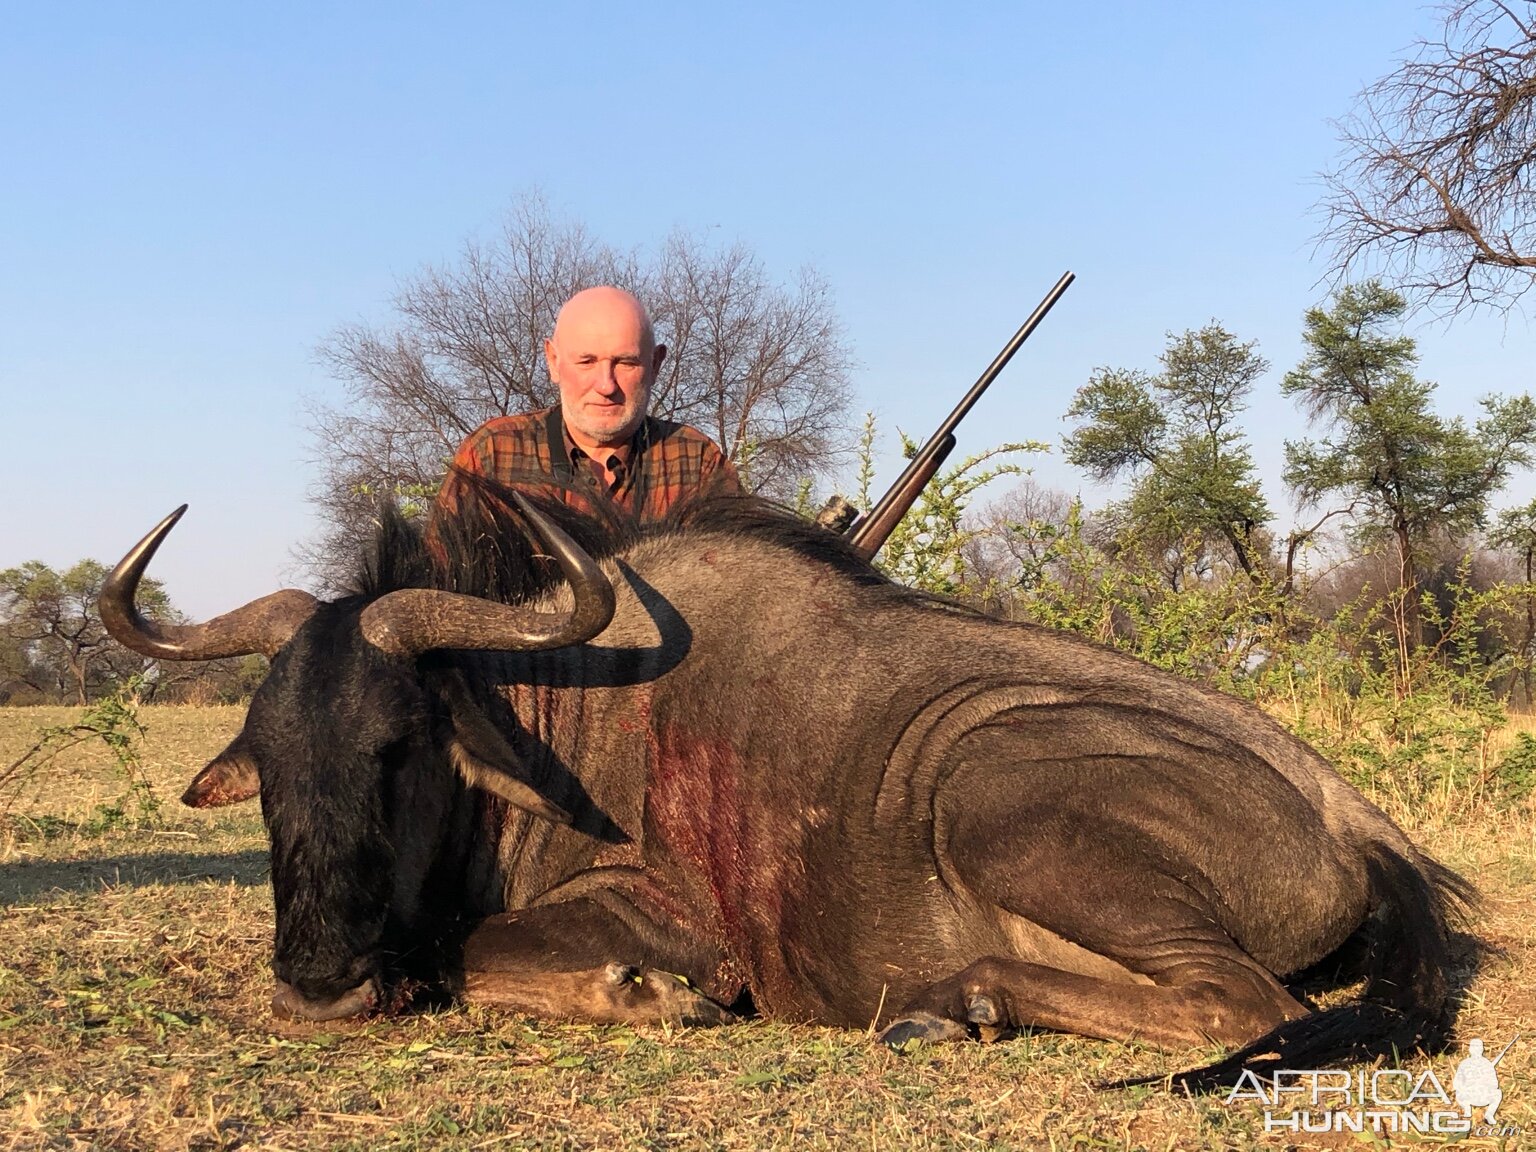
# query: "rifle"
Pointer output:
{"type": "Point", "coordinates": [876, 526]}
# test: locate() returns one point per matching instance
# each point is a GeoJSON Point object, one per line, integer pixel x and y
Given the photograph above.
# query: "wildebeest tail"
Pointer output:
{"type": "Point", "coordinates": [1402, 951]}
{"type": "Point", "coordinates": [1408, 939]}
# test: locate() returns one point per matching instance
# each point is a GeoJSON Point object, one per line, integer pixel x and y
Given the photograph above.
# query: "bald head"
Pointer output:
{"type": "Point", "coordinates": [604, 357]}
{"type": "Point", "coordinates": [607, 308]}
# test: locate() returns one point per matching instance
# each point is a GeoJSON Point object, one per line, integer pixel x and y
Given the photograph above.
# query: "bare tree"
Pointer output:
{"type": "Point", "coordinates": [1015, 536]}
{"type": "Point", "coordinates": [466, 346]}
{"type": "Point", "coordinates": [760, 366]}
{"type": "Point", "coordinates": [1437, 190]}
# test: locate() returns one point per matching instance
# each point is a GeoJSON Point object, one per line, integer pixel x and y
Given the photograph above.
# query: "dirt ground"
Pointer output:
{"type": "Point", "coordinates": [133, 987]}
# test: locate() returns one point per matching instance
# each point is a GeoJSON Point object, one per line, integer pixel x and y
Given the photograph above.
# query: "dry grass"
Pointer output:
{"type": "Point", "coordinates": [133, 979]}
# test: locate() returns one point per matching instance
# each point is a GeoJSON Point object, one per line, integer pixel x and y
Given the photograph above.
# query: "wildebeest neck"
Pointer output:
{"type": "Point", "coordinates": [675, 721]}
{"type": "Point", "coordinates": [578, 718]}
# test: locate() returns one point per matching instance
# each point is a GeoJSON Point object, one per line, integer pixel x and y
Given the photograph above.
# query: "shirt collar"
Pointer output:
{"type": "Point", "coordinates": [611, 456]}
{"type": "Point", "coordinates": [625, 453]}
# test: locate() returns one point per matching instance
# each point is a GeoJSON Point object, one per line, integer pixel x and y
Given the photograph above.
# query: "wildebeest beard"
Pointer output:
{"type": "Point", "coordinates": [778, 774]}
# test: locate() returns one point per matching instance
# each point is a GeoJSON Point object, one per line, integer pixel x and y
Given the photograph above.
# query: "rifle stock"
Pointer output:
{"type": "Point", "coordinates": [876, 526]}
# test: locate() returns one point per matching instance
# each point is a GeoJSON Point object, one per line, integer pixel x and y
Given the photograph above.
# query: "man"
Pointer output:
{"type": "Point", "coordinates": [599, 440]}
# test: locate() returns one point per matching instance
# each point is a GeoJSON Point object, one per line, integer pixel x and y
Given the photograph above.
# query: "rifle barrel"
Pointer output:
{"type": "Point", "coordinates": [881, 511]}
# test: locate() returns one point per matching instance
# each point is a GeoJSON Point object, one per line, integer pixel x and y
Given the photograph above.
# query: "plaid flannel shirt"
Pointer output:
{"type": "Point", "coordinates": [666, 461]}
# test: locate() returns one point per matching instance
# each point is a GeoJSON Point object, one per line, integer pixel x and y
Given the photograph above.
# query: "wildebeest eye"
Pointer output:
{"type": "Point", "coordinates": [393, 755]}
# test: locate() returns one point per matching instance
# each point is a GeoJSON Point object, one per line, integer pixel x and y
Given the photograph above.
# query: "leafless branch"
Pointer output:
{"type": "Point", "coordinates": [762, 367]}
{"type": "Point", "coordinates": [1436, 191]}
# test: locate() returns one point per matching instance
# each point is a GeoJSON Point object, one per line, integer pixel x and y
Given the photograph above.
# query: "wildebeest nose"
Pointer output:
{"type": "Point", "coordinates": [289, 1003]}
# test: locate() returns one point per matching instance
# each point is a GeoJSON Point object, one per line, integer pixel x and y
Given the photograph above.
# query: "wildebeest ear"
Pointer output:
{"type": "Point", "coordinates": [229, 778]}
{"type": "Point", "coordinates": [484, 757]}
{"type": "Point", "coordinates": [487, 775]}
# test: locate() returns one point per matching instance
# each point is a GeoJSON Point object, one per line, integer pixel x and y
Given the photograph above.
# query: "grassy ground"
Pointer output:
{"type": "Point", "coordinates": [133, 982]}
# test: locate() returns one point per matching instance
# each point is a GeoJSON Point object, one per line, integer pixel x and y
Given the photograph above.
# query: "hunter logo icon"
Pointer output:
{"type": "Point", "coordinates": [1476, 1082]}
{"type": "Point", "coordinates": [1383, 1100]}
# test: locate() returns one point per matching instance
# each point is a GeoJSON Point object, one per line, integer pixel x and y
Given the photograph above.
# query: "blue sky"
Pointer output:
{"type": "Point", "coordinates": [193, 196]}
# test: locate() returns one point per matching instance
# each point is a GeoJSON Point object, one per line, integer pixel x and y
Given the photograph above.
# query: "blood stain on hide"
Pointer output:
{"type": "Point", "coordinates": [696, 808]}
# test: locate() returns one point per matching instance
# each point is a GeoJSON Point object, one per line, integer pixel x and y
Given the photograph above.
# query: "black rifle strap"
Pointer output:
{"type": "Point", "coordinates": [554, 437]}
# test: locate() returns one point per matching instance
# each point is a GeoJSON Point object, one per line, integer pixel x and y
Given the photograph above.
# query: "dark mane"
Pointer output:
{"type": "Point", "coordinates": [487, 548]}
{"type": "Point", "coordinates": [395, 558]}
{"type": "Point", "coordinates": [484, 549]}
{"type": "Point", "coordinates": [759, 519]}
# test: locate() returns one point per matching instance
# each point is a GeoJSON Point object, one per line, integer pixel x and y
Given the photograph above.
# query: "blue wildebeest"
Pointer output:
{"type": "Point", "coordinates": [548, 760]}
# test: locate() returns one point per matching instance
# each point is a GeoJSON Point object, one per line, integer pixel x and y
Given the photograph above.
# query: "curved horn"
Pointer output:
{"type": "Point", "coordinates": [263, 625]}
{"type": "Point", "coordinates": [415, 620]}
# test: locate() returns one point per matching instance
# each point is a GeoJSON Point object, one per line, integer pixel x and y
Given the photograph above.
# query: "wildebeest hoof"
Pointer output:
{"type": "Point", "coordinates": [288, 1003]}
{"type": "Point", "coordinates": [920, 1028]}
{"type": "Point", "coordinates": [982, 1009]}
{"type": "Point", "coordinates": [620, 974]}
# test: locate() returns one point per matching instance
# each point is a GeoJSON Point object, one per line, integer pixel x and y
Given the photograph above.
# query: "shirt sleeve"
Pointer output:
{"type": "Point", "coordinates": [470, 459]}
{"type": "Point", "coordinates": [717, 473]}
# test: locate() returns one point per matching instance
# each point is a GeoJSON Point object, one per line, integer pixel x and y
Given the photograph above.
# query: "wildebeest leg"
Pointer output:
{"type": "Point", "coordinates": [1205, 1004]}
{"type": "Point", "coordinates": [1109, 921]}
{"type": "Point", "coordinates": [577, 960]}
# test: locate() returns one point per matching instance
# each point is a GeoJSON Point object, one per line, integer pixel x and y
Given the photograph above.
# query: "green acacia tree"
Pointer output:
{"type": "Point", "coordinates": [1402, 471]}
{"type": "Point", "coordinates": [1175, 435]}
{"type": "Point", "coordinates": [52, 617]}
{"type": "Point", "coordinates": [20, 675]}
{"type": "Point", "coordinates": [928, 549]}
{"type": "Point", "coordinates": [1516, 530]}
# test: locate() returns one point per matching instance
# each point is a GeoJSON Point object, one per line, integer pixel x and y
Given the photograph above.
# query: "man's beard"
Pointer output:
{"type": "Point", "coordinates": [608, 424]}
